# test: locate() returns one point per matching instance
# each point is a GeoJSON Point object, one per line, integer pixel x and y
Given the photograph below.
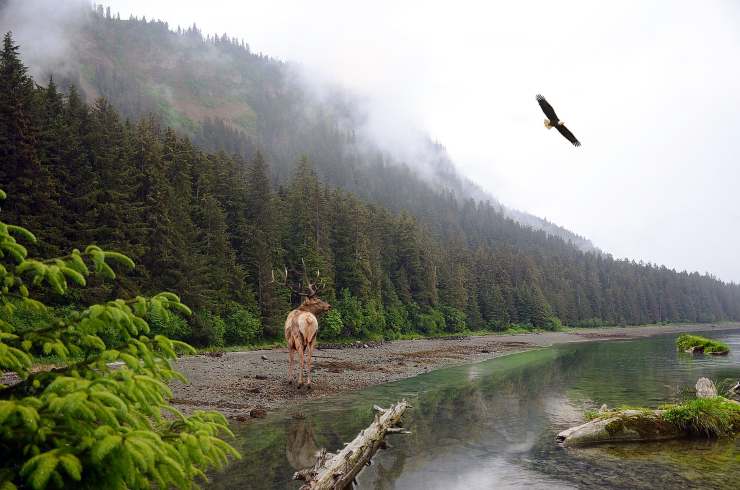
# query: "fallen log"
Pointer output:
{"type": "Point", "coordinates": [624, 426]}
{"type": "Point", "coordinates": [337, 471]}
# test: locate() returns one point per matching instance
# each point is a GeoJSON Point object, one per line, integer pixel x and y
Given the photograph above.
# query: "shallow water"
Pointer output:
{"type": "Point", "coordinates": [493, 424]}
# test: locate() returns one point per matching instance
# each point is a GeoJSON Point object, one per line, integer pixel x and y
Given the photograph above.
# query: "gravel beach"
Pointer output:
{"type": "Point", "coordinates": [247, 384]}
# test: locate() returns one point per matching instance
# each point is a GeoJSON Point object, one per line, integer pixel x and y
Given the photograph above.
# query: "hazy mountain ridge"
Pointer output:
{"type": "Point", "coordinates": [225, 97]}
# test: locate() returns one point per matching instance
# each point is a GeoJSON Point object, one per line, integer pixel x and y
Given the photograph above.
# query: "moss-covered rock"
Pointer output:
{"type": "Point", "coordinates": [695, 344]}
{"type": "Point", "coordinates": [702, 417]}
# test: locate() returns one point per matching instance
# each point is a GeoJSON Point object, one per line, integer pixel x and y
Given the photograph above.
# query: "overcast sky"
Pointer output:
{"type": "Point", "coordinates": [651, 88]}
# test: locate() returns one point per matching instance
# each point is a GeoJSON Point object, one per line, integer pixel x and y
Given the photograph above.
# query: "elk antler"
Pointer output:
{"type": "Point", "coordinates": [284, 281]}
{"type": "Point", "coordinates": [314, 287]}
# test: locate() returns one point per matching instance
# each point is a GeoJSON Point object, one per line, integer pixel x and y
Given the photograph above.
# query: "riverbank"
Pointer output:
{"type": "Point", "coordinates": [246, 384]}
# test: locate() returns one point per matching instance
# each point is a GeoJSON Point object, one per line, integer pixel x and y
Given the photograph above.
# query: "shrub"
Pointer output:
{"type": "Point", "coordinates": [241, 326]}
{"type": "Point", "coordinates": [353, 317]}
{"type": "Point", "coordinates": [430, 322]}
{"type": "Point", "coordinates": [552, 323]}
{"type": "Point", "coordinates": [397, 320]}
{"type": "Point", "coordinates": [454, 319]}
{"type": "Point", "coordinates": [331, 325]}
{"type": "Point", "coordinates": [88, 424]}
{"type": "Point", "coordinates": [374, 317]}
{"type": "Point", "coordinates": [170, 325]}
{"type": "Point", "coordinates": [207, 329]}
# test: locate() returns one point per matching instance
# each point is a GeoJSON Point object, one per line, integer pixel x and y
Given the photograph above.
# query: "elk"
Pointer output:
{"type": "Point", "coordinates": [301, 325]}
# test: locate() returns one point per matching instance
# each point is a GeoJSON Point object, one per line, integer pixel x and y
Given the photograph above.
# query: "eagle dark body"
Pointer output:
{"type": "Point", "coordinates": [553, 121]}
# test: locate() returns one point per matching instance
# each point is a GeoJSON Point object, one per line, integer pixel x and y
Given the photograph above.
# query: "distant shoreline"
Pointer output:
{"type": "Point", "coordinates": [236, 383]}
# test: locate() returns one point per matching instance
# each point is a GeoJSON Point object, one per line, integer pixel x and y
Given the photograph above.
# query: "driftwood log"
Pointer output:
{"type": "Point", "coordinates": [337, 471]}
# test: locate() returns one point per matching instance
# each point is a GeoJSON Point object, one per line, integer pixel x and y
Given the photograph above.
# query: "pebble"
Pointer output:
{"type": "Point", "coordinates": [258, 413]}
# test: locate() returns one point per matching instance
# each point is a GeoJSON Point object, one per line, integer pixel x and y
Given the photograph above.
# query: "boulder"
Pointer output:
{"type": "Point", "coordinates": [705, 388]}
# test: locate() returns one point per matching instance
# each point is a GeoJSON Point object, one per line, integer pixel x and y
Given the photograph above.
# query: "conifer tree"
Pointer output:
{"type": "Point", "coordinates": [88, 424]}
{"type": "Point", "coordinates": [21, 172]}
{"type": "Point", "coordinates": [263, 252]}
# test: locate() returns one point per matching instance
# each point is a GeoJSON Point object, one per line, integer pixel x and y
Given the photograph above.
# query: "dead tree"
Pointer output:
{"type": "Point", "coordinates": [337, 471]}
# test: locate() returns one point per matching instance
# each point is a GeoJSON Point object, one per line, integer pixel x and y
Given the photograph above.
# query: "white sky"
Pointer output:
{"type": "Point", "coordinates": [651, 88]}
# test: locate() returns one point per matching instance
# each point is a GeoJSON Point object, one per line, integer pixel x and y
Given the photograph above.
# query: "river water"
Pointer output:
{"type": "Point", "coordinates": [493, 424]}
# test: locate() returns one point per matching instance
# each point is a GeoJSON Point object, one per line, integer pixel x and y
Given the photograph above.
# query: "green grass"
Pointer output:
{"type": "Point", "coordinates": [702, 417]}
{"type": "Point", "coordinates": [687, 341]}
{"type": "Point", "coordinates": [709, 417]}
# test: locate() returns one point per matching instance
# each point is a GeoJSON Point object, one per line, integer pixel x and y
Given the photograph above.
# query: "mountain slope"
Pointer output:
{"type": "Point", "coordinates": [225, 97]}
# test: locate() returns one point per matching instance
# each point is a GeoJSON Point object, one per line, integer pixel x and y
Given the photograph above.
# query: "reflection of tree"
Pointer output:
{"type": "Point", "coordinates": [263, 466]}
{"type": "Point", "coordinates": [301, 448]}
{"type": "Point", "coordinates": [495, 411]}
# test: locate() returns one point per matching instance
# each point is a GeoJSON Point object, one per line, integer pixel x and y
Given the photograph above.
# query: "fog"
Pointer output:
{"type": "Point", "coordinates": [44, 29]}
{"type": "Point", "coordinates": [648, 87]}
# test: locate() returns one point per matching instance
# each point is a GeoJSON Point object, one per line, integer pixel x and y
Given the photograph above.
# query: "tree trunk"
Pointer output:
{"type": "Point", "coordinates": [337, 471]}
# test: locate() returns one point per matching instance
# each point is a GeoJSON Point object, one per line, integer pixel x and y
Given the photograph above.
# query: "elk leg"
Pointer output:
{"type": "Point", "coordinates": [291, 351]}
{"type": "Point", "coordinates": [300, 372]}
{"type": "Point", "coordinates": [309, 349]}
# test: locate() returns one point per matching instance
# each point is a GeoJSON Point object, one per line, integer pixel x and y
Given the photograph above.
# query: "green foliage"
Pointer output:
{"type": "Point", "coordinates": [707, 417]}
{"type": "Point", "coordinates": [331, 325]}
{"type": "Point", "coordinates": [397, 320]}
{"type": "Point", "coordinates": [375, 320]}
{"type": "Point", "coordinates": [352, 314]}
{"type": "Point", "coordinates": [91, 423]}
{"type": "Point", "coordinates": [687, 341]}
{"type": "Point", "coordinates": [454, 319]}
{"type": "Point", "coordinates": [429, 322]}
{"type": "Point", "coordinates": [208, 329]}
{"type": "Point", "coordinates": [170, 325]}
{"type": "Point", "coordinates": [241, 326]}
{"type": "Point", "coordinates": [552, 323]}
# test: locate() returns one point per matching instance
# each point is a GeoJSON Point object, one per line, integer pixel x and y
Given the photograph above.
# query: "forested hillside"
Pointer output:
{"type": "Point", "coordinates": [223, 96]}
{"type": "Point", "coordinates": [213, 225]}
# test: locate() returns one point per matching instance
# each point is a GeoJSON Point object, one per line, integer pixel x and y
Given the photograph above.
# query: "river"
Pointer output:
{"type": "Point", "coordinates": [493, 424]}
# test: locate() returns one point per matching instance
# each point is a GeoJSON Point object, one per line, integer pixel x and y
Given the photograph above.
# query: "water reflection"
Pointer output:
{"type": "Point", "coordinates": [301, 449]}
{"type": "Point", "coordinates": [492, 425]}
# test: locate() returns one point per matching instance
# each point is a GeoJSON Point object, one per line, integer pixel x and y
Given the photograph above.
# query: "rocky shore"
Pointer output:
{"type": "Point", "coordinates": [248, 384]}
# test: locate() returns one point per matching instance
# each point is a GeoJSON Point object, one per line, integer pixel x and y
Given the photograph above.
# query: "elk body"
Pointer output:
{"type": "Point", "coordinates": [301, 328]}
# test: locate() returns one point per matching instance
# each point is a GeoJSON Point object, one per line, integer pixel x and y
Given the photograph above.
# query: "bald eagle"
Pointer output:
{"type": "Point", "coordinates": [553, 121]}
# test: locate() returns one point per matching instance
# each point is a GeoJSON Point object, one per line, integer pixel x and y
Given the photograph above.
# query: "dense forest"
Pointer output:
{"type": "Point", "coordinates": [211, 221]}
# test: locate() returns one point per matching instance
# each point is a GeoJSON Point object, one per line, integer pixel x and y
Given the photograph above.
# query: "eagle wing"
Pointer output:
{"type": "Point", "coordinates": [568, 135]}
{"type": "Point", "coordinates": [547, 109]}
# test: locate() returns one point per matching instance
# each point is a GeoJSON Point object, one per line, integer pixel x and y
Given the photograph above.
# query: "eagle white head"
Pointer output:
{"type": "Point", "coordinates": [547, 124]}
